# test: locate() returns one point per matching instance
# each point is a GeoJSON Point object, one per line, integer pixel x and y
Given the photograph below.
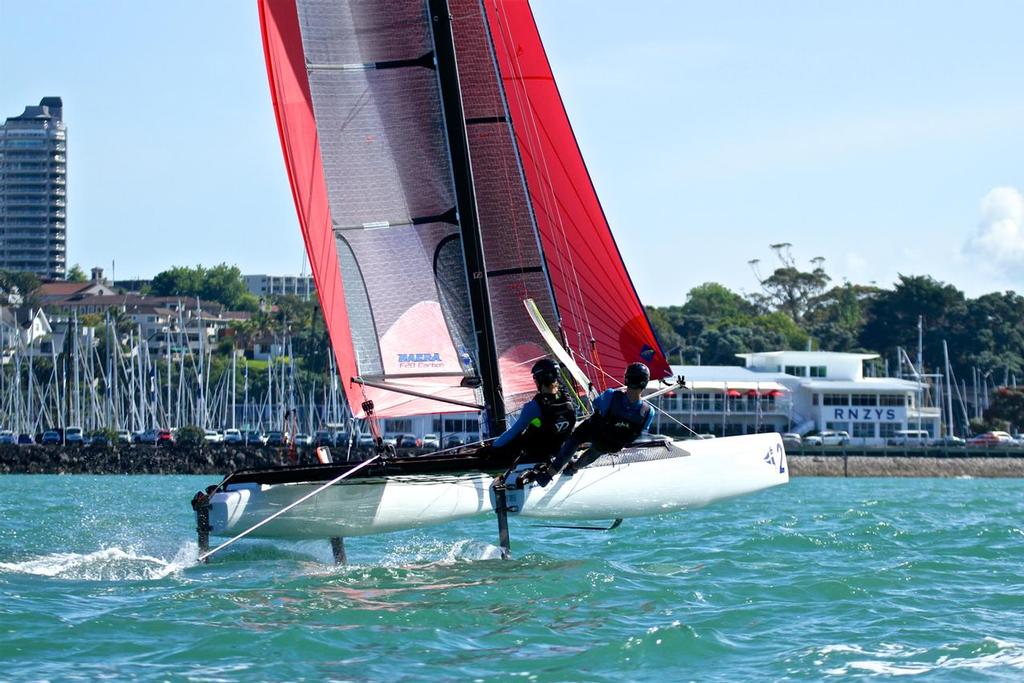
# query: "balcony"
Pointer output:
{"type": "Point", "coordinates": [684, 405]}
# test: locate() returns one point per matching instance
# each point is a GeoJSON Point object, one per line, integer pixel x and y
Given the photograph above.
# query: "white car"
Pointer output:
{"type": "Point", "coordinates": [792, 439]}
{"type": "Point", "coordinates": [827, 438]}
{"type": "Point", "coordinates": [73, 435]}
{"type": "Point", "coordinates": [431, 442]}
{"type": "Point", "coordinates": [212, 436]}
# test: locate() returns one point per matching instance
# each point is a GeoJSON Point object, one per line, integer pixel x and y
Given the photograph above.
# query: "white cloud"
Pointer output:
{"type": "Point", "coordinates": [1000, 235]}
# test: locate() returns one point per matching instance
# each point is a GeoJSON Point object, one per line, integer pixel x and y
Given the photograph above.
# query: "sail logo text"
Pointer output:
{"type": "Point", "coordinates": [420, 360]}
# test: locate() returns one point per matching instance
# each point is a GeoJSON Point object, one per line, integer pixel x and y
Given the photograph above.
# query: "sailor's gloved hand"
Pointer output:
{"type": "Point", "coordinates": [540, 474]}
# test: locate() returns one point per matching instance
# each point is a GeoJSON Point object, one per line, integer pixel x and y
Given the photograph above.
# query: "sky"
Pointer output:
{"type": "Point", "coordinates": [887, 138]}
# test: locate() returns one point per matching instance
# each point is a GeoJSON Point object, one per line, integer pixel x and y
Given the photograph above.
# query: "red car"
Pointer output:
{"type": "Point", "coordinates": [991, 439]}
{"type": "Point", "coordinates": [164, 437]}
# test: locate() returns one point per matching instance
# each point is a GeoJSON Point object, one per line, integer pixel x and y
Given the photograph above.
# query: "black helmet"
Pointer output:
{"type": "Point", "coordinates": [545, 371]}
{"type": "Point", "coordinates": [637, 376]}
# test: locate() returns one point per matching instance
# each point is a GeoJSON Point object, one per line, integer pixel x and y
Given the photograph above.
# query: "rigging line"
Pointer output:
{"type": "Point", "coordinates": [537, 127]}
{"type": "Point", "coordinates": [576, 297]}
{"type": "Point", "coordinates": [546, 189]}
{"type": "Point", "coordinates": [497, 104]}
{"type": "Point", "coordinates": [332, 482]}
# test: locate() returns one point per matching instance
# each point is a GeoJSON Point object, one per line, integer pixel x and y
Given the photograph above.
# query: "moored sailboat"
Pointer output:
{"type": "Point", "coordinates": [438, 186]}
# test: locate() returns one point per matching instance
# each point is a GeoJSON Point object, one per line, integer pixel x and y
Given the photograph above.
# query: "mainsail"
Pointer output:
{"type": "Point", "coordinates": [438, 186]}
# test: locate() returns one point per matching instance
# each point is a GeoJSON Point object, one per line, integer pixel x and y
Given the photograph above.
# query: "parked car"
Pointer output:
{"type": "Point", "coordinates": [232, 436]}
{"type": "Point", "coordinates": [254, 438]}
{"type": "Point", "coordinates": [150, 436]}
{"type": "Point", "coordinates": [792, 439]}
{"type": "Point", "coordinates": [211, 436]}
{"type": "Point", "coordinates": [303, 440]}
{"type": "Point", "coordinates": [454, 441]}
{"type": "Point", "coordinates": [431, 442]}
{"type": "Point", "coordinates": [990, 439]}
{"type": "Point", "coordinates": [365, 441]}
{"type": "Point", "coordinates": [276, 439]}
{"type": "Point", "coordinates": [74, 435]}
{"type": "Point", "coordinates": [26, 439]}
{"type": "Point", "coordinates": [323, 438]}
{"type": "Point", "coordinates": [51, 437]}
{"type": "Point", "coordinates": [164, 437]}
{"type": "Point", "coordinates": [827, 438]}
{"type": "Point", "coordinates": [124, 436]}
{"type": "Point", "coordinates": [99, 439]}
{"type": "Point", "coordinates": [948, 441]}
{"type": "Point", "coordinates": [408, 442]}
{"type": "Point", "coordinates": [7, 437]}
{"type": "Point", "coordinates": [909, 437]}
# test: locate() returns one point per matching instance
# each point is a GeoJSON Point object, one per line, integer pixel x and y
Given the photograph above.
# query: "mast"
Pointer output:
{"type": "Point", "coordinates": [949, 387]}
{"type": "Point", "coordinates": [472, 244]}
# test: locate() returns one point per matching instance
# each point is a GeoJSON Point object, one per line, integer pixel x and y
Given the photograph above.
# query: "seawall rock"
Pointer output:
{"type": "Point", "coordinates": [839, 465]}
{"type": "Point", "coordinates": [138, 459]}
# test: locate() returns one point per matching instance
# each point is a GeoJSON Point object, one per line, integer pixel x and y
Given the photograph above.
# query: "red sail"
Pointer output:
{"type": "Point", "coordinates": [416, 324]}
{"type": "Point", "coordinates": [602, 318]}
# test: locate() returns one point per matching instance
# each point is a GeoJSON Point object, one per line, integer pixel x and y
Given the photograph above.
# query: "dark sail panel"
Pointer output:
{"type": "Point", "coordinates": [601, 316]}
{"type": "Point", "coordinates": [515, 267]}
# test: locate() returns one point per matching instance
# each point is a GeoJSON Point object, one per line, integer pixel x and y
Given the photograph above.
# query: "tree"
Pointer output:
{"type": "Point", "coordinates": [839, 316]}
{"type": "Point", "coordinates": [76, 274]}
{"type": "Point", "coordinates": [26, 283]}
{"type": "Point", "coordinates": [1007, 407]}
{"type": "Point", "coordinates": [221, 283]}
{"type": "Point", "coordinates": [892, 316]}
{"type": "Point", "coordinates": [714, 301]}
{"type": "Point", "coordinates": [789, 289]}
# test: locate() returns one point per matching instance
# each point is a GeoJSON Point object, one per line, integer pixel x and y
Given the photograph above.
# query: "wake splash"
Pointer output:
{"type": "Point", "coordinates": [109, 564]}
{"type": "Point", "coordinates": [896, 660]}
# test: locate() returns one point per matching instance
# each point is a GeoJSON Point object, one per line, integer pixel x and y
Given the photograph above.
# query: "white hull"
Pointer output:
{"type": "Point", "coordinates": [635, 483]}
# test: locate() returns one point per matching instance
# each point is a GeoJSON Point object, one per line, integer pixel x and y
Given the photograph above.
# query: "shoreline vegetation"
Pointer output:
{"type": "Point", "coordinates": [192, 459]}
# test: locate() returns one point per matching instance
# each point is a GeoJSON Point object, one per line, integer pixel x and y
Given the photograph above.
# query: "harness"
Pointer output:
{"type": "Point", "coordinates": [617, 425]}
{"type": "Point", "coordinates": [545, 435]}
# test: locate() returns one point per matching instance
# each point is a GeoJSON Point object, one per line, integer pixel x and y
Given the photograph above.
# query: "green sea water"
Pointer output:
{"type": "Point", "coordinates": [820, 579]}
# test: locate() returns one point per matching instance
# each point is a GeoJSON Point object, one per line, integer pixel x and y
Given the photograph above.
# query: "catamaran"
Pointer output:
{"type": "Point", "coordinates": [439, 186]}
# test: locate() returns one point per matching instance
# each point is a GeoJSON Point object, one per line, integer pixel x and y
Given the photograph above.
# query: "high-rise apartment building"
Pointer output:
{"type": "Point", "coordinates": [33, 190]}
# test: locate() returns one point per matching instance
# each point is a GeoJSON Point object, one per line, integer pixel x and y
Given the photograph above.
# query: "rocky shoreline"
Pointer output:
{"type": "Point", "coordinates": [842, 465]}
{"type": "Point", "coordinates": [138, 459]}
{"type": "Point", "coordinates": [219, 460]}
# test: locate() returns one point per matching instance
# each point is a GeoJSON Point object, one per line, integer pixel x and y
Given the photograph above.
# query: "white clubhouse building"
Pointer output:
{"type": "Point", "coordinates": [796, 391]}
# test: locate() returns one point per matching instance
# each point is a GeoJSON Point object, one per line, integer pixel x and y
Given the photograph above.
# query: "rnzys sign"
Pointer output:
{"type": "Point", "coordinates": [866, 414]}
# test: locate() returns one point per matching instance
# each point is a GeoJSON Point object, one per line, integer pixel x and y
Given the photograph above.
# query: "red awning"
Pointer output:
{"type": "Point", "coordinates": [752, 392]}
{"type": "Point", "coordinates": [775, 393]}
{"type": "Point", "coordinates": [732, 393]}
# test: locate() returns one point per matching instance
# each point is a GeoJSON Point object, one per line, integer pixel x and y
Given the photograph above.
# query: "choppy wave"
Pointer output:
{"type": "Point", "coordinates": [820, 579]}
{"type": "Point", "coordinates": [891, 659]}
{"type": "Point", "coordinates": [108, 564]}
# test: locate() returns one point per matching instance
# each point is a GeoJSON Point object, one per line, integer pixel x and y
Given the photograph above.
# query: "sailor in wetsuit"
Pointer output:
{"type": "Point", "coordinates": [546, 421]}
{"type": "Point", "coordinates": [620, 416]}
